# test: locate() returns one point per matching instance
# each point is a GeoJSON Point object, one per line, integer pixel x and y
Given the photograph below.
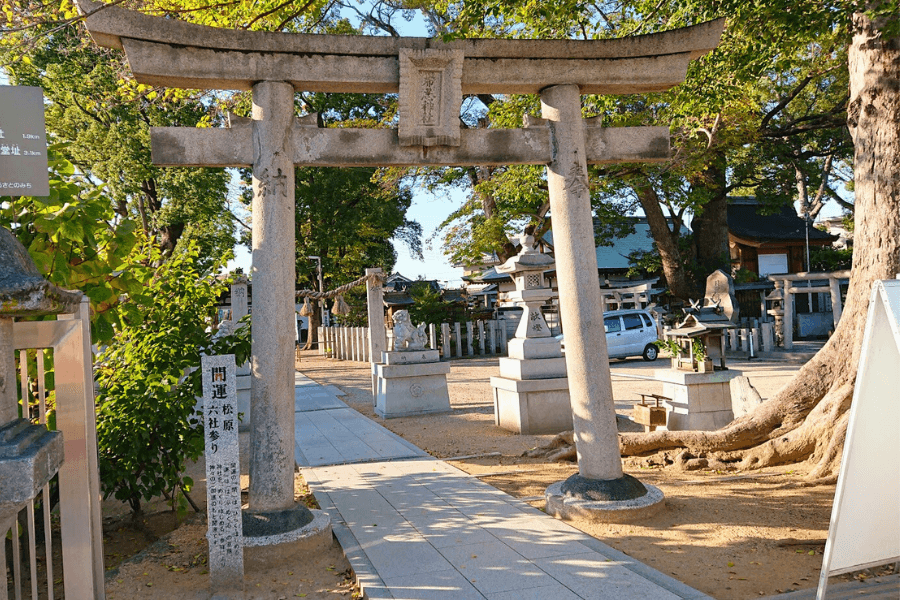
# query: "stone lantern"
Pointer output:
{"type": "Point", "coordinates": [775, 298]}
{"type": "Point", "coordinates": [531, 395]}
{"type": "Point", "coordinates": [29, 454]}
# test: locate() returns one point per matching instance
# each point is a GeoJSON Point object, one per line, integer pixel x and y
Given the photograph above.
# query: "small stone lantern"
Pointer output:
{"type": "Point", "coordinates": [531, 395]}
{"type": "Point", "coordinates": [527, 270]}
{"type": "Point", "coordinates": [29, 454]}
{"type": "Point", "coordinates": [775, 298]}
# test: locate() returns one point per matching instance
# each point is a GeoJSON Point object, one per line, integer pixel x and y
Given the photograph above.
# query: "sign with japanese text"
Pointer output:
{"type": "Point", "coordinates": [223, 473]}
{"type": "Point", "coordinates": [23, 142]}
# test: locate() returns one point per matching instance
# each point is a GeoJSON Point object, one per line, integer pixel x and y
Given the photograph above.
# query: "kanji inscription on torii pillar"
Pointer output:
{"type": "Point", "coordinates": [431, 78]}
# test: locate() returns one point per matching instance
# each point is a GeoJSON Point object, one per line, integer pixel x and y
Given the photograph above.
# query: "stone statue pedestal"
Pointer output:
{"type": "Point", "coordinates": [411, 382]}
{"type": "Point", "coordinates": [531, 396]}
{"type": "Point", "coordinates": [699, 401]}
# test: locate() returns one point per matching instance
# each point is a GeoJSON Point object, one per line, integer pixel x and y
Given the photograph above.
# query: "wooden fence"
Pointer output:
{"type": "Point", "coordinates": [453, 340]}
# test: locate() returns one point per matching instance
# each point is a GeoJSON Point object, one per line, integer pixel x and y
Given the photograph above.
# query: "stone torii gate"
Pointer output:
{"type": "Point", "coordinates": [431, 78]}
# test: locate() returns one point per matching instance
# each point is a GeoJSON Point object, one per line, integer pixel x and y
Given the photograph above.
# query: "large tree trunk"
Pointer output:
{"type": "Point", "coordinates": [315, 321]}
{"type": "Point", "coordinates": [710, 225]}
{"type": "Point", "coordinates": [807, 419]}
{"type": "Point", "coordinates": [666, 242]}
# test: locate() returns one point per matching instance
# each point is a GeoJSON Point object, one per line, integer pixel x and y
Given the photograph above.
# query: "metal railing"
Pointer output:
{"type": "Point", "coordinates": [68, 340]}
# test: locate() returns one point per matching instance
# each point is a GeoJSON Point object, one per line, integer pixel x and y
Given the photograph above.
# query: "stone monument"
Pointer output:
{"type": "Point", "coordinates": [223, 477]}
{"type": "Point", "coordinates": [167, 52]}
{"type": "Point", "coordinates": [410, 380]}
{"type": "Point", "coordinates": [531, 395]}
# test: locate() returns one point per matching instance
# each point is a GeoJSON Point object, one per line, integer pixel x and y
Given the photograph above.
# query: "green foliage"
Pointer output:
{"type": "Point", "coordinates": [146, 424]}
{"type": "Point", "coordinates": [699, 350]}
{"type": "Point", "coordinates": [101, 122]}
{"type": "Point", "coordinates": [77, 242]}
{"type": "Point", "coordinates": [429, 307]}
{"type": "Point", "coordinates": [826, 259]}
{"type": "Point", "coordinates": [671, 346]}
{"type": "Point", "coordinates": [745, 276]}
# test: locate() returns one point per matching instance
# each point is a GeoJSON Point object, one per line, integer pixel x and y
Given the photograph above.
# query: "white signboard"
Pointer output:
{"type": "Point", "coordinates": [865, 518]}
{"type": "Point", "coordinates": [23, 142]}
{"type": "Point", "coordinates": [223, 474]}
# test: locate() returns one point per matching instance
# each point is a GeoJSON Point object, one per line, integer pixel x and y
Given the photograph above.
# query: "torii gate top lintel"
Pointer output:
{"type": "Point", "coordinates": [652, 62]}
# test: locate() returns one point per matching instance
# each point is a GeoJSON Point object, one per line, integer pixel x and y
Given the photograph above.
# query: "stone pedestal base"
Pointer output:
{"type": "Point", "coordinates": [700, 401]}
{"type": "Point", "coordinates": [274, 547]}
{"type": "Point", "coordinates": [603, 511]}
{"type": "Point", "coordinates": [406, 388]}
{"type": "Point", "coordinates": [533, 406]}
{"type": "Point", "coordinates": [531, 396]}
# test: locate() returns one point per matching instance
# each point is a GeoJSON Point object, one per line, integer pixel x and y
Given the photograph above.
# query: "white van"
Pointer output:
{"type": "Point", "coordinates": [629, 332]}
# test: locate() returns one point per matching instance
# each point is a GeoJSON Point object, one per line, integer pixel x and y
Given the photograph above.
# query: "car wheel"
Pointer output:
{"type": "Point", "coordinates": [650, 352]}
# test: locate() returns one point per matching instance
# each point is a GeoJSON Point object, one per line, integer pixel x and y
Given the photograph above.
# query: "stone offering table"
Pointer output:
{"type": "Point", "coordinates": [531, 395]}
{"type": "Point", "coordinates": [411, 382]}
{"type": "Point", "coordinates": [699, 401]}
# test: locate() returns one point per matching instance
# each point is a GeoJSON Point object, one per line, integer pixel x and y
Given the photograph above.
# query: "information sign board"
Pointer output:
{"type": "Point", "coordinates": [865, 528]}
{"type": "Point", "coordinates": [23, 142]}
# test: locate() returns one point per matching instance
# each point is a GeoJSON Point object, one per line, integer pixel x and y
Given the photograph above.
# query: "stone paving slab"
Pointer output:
{"type": "Point", "coordinates": [421, 529]}
{"type": "Point", "coordinates": [310, 396]}
{"type": "Point", "coordinates": [328, 432]}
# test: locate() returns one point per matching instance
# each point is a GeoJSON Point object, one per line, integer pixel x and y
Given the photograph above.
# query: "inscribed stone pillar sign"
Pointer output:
{"type": "Point", "coordinates": [223, 476]}
{"type": "Point", "coordinates": [272, 455]}
{"type": "Point", "coordinates": [590, 387]}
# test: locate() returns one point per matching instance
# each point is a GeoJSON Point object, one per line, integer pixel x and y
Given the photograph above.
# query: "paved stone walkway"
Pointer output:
{"type": "Point", "coordinates": [417, 528]}
{"type": "Point", "coordinates": [328, 432]}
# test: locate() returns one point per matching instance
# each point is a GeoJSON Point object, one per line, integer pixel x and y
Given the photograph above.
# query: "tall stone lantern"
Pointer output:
{"type": "Point", "coordinates": [531, 395]}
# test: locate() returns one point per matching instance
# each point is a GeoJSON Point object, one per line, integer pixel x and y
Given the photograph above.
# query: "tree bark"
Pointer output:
{"type": "Point", "coordinates": [315, 321]}
{"type": "Point", "coordinates": [807, 419]}
{"type": "Point", "coordinates": [711, 224]}
{"type": "Point", "coordinates": [666, 242]}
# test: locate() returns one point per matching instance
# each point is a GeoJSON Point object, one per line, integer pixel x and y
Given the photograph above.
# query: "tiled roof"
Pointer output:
{"type": "Point", "coordinates": [745, 221]}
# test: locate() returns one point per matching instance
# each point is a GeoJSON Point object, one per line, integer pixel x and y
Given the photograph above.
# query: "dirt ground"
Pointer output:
{"type": "Point", "coordinates": [174, 566]}
{"type": "Point", "coordinates": [732, 536]}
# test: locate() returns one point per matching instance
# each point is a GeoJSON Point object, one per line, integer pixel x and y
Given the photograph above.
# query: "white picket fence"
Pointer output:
{"type": "Point", "coordinates": [472, 338]}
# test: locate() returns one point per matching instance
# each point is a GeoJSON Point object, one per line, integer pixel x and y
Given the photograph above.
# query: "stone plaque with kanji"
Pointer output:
{"type": "Point", "coordinates": [223, 474]}
{"type": "Point", "coordinates": [430, 97]}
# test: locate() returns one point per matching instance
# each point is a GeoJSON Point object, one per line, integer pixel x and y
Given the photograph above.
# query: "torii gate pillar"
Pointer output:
{"type": "Point", "coordinates": [274, 276]}
{"type": "Point", "coordinates": [600, 490]}
{"type": "Point", "coordinates": [581, 309]}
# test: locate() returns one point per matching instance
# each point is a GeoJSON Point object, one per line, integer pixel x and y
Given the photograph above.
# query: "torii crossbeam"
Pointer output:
{"type": "Point", "coordinates": [431, 78]}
